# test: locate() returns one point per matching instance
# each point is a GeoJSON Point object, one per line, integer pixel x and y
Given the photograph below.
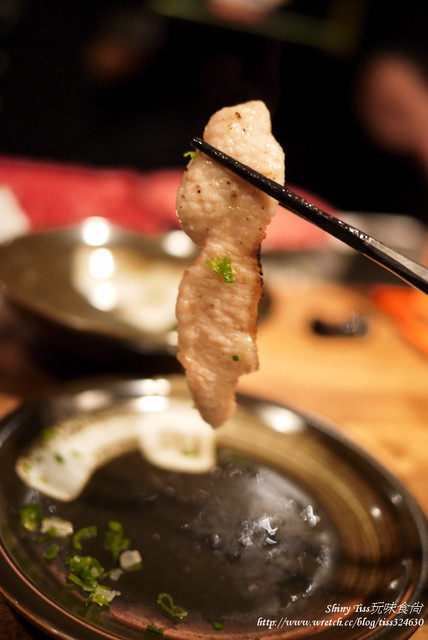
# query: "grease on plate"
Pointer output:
{"type": "Point", "coordinates": [61, 461]}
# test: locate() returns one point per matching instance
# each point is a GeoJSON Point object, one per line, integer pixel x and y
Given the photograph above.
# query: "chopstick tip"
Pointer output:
{"type": "Point", "coordinates": [197, 142]}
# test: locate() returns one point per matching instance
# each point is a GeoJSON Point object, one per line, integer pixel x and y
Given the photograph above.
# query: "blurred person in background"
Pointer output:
{"type": "Point", "coordinates": [388, 88]}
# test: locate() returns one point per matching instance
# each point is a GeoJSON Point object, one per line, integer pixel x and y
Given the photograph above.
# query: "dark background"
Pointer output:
{"type": "Point", "coordinates": [58, 102]}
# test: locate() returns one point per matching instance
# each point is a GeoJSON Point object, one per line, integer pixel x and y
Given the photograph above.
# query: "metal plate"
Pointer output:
{"type": "Point", "coordinates": [294, 531]}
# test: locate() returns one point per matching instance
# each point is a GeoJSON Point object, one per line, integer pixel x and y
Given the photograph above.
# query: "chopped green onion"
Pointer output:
{"type": "Point", "coordinates": [153, 629]}
{"type": "Point", "coordinates": [223, 267]}
{"type": "Point", "coordinates": [48, 433]}
{"type": "Point", "coordinates": [165, 601]}
{"type": "Point", "coordinates": [98, 598]}
{"type": "Point", "coordinates": [114, 539]}
{"type": "Point", "coordinates": [115, 574]}
{"type": "Point", "coordinates": [54, 526]}
{"type": "Point", "coordinates": [235, 358]}
{"type": "Point", "coordinates": [59, 458]}
{"type": "Point", "coordinates": [73, 578]}
{"type": "Point", "coordinates": [84, 571]}
{"type": "Point", "coordinates": [85, 564]}
{"type": "Point", "coordinates": [192, 154]}
{"type": "Point", "coordinates": [190, 452]}
{"type": "Point", "coordinates": [130, 560]}
{"type": "Point", "coordinates": [86, 532]}
{"type": "Point", "coordinates": [102, 596]}
{"type": "Point", "coordinates": [30, 516]}
{"type": "Point", "coordinates": [218, 626]}
{"type": "Point", "coordinates": [51, 552]}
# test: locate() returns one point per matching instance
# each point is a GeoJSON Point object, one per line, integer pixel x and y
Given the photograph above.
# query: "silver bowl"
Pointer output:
{"type": "Point", "coordinates": [95, 297]}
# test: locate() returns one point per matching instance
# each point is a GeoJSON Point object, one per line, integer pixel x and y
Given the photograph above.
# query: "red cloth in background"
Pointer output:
{"type": "Point", "coordinates": [54, 195]}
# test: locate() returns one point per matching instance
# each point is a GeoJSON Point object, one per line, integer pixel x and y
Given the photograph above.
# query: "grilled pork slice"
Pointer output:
{"type": "Point", "coordinates": [218, 296]}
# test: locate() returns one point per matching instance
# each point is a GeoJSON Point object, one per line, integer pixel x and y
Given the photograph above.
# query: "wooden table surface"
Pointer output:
{"type": "Point", "coordinates": [373, 388]}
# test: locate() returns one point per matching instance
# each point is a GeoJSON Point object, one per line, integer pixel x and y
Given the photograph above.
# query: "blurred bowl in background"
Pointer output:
{"type": "Point", "coordinates": [94, 297]}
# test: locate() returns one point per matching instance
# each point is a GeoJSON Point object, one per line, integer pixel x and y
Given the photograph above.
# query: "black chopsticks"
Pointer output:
{"type": "Point", "coordinates": [408, 270]}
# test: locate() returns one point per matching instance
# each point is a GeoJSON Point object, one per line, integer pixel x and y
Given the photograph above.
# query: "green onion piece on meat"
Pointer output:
{"type": "Point", "coordinates": [192, 154]}
{"type": "Point", "coordinates": [223, 267]}
{"type": "Point", "coordinates": [218, 626]}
